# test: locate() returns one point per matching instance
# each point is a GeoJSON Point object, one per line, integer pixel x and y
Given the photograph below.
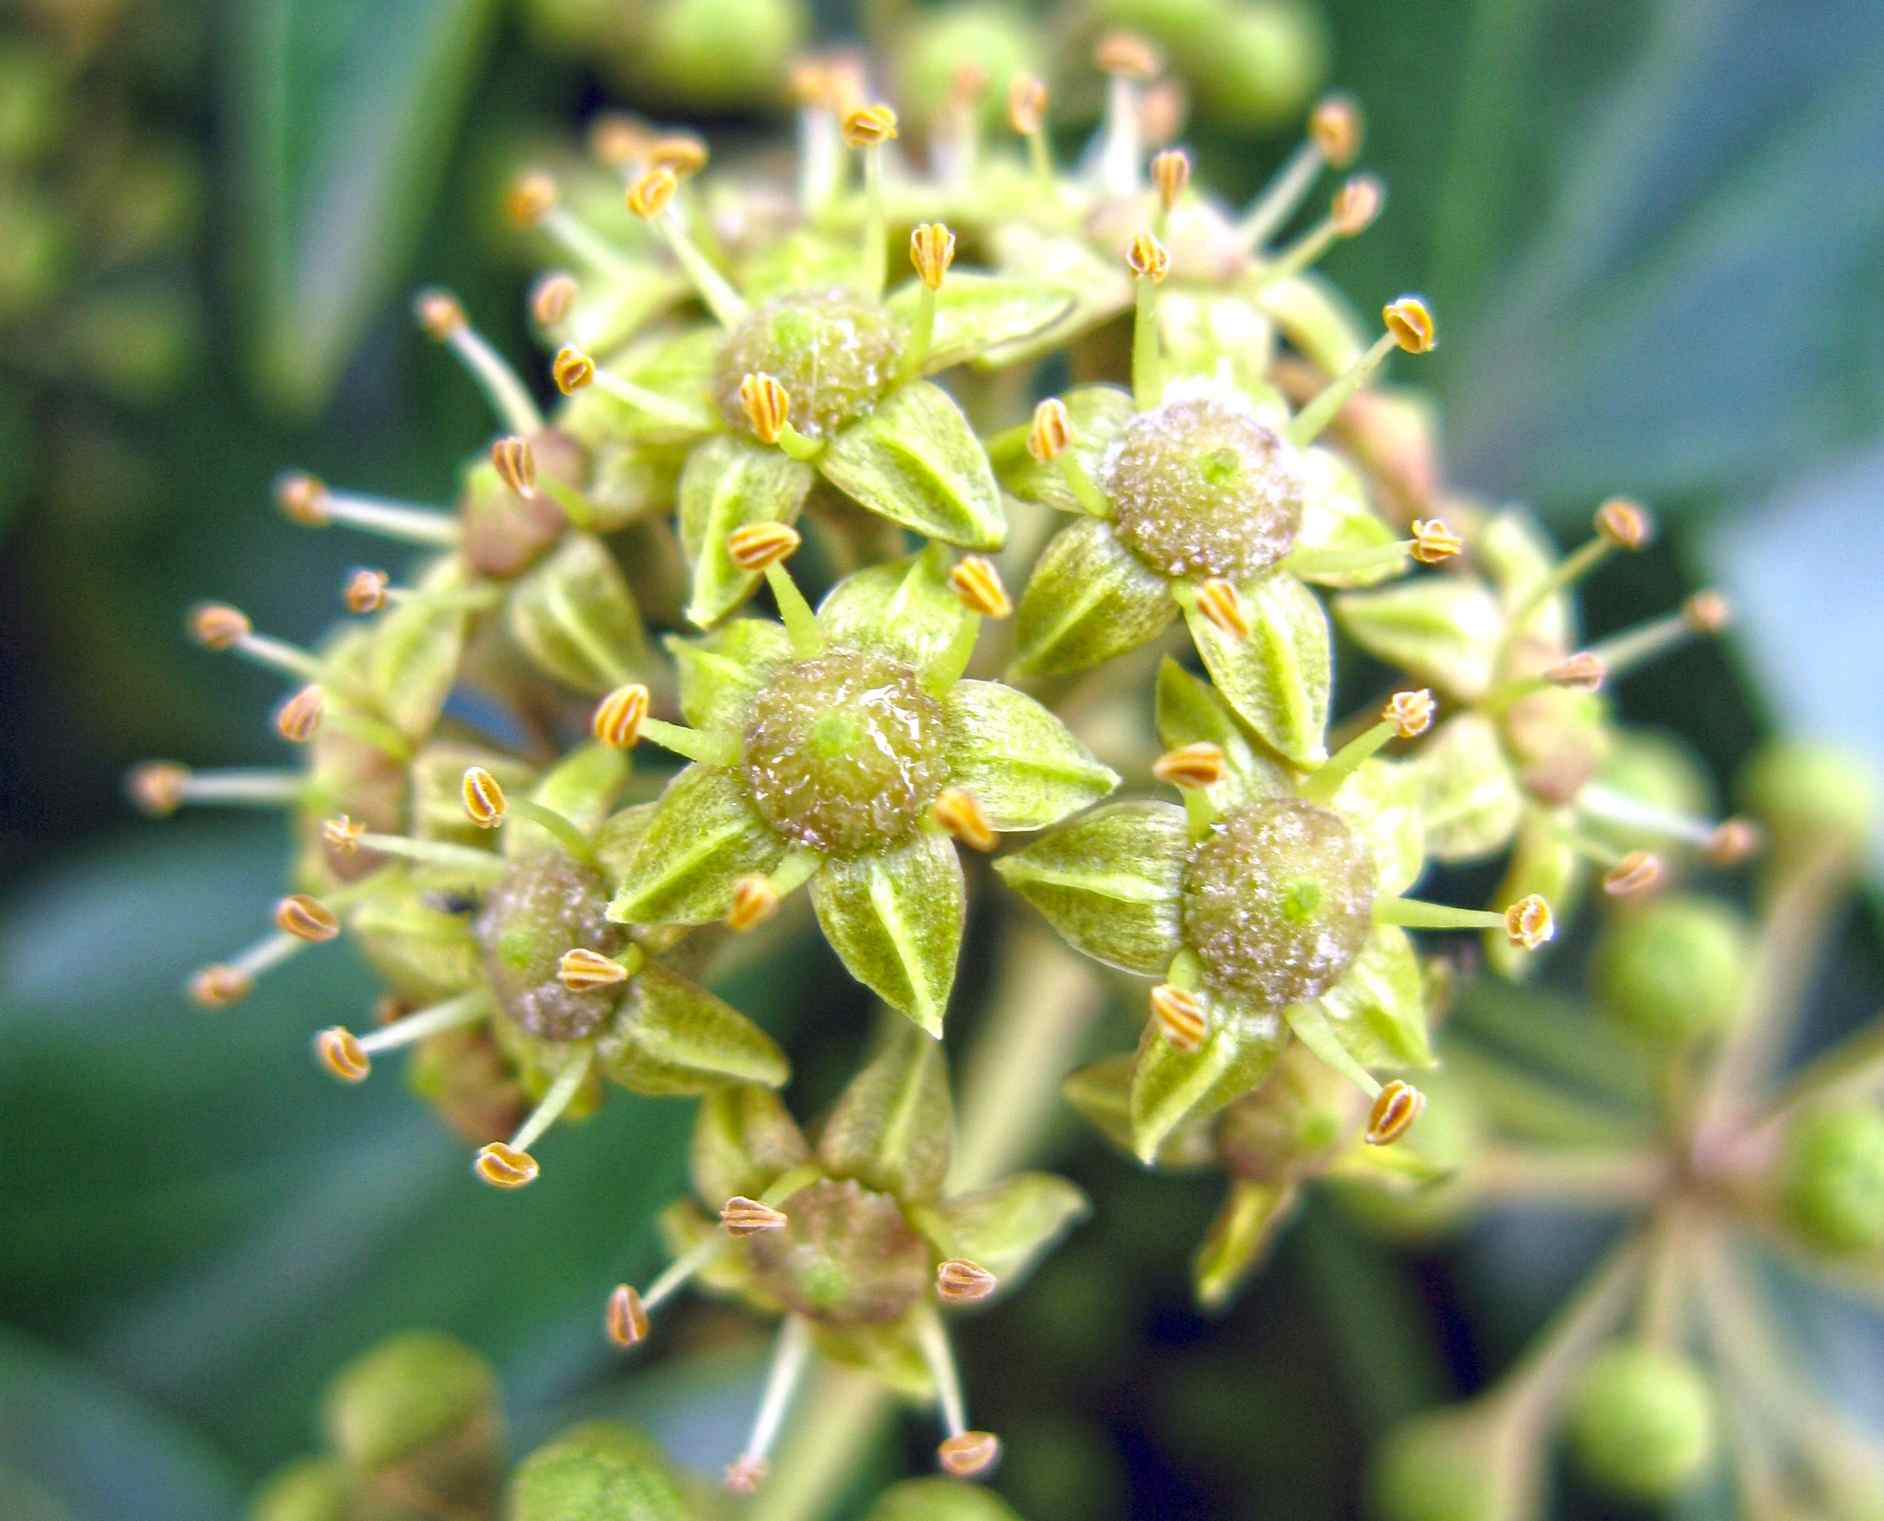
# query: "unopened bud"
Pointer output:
{"type": "Point", "coordinates": [1200, 765]}
{"type": "Point", "coordinates": [768, 406]}
{"type": "Point", "coordinates": [977, 585]}
{"type": "Point", "coordinates": [751, 1217]}
{"type": "Point", "coordinates": [969, 1453]}
{"type": "Point", "coordinates": [1222, 605]}
{"type": "Point", "coordinates": [1638, 872]}
{"type": "Point", "coordinates": [867, 126]}
{"type": "Point", "coordinates": [1529, 922]}
{"type": "Point", "coordinates": [338, 1050]}
{"type": "Point", "coordinates": [1355, 205]}
{"type": "Point", "coordinates": [483, 797]}
{"type": "Point", "coordinates": [759, 546]}
{"type": "Point", "coordinates": [754, 901]}
{"type": "Point", "coordinates": [306, 918]}
{"type": "Point", "coordinates": [1180, 1016]}
{"type": "Point", "coordinates": [959, 812]}
{"type": "Point", "coordinates": [365, 591]}
{"type": "Point", "coordinates": [1127, 55]}
{"type": "Point", "coordinates": [626, 1316]}
{"type": "Point", "coordinates": [959, 1281]}
{"type": "Point", "coordinates": [531, 198]}
{"type": "Point", "coordinates": [932, 251]}
{"type": "Point", "coordinates": [1398, 1105]}
{"type": "Point", "coordinates": [503, 1166]}
{"type": "Point", "coordinates": [571, 369]}
{"type": "Point", "coordinates": [1707, 612]}
{"type": "Point", "coordinates": [515, 462]}
{"type": "Point", "coordinates": [1434, 542]}
{"type": "Point", "coordinates": [1051, 432]}
{"type": "Point", "coordinates": [157, 787]}
{"type": "Point", "coordinates": [1148, 259]}
{"type": "Point", "coordinates": [1411, 324]}
{"type": "Point", "coordinates": [217, 626]}
{"type": "Point", "coordinates": [217, 987]}
{"type": "Point", "coordinates": [1623, 523]}
{"type": "Point", "coordinates": [1410, 713]}
{"type": "Point", "coordinates": [440, 314]}
{"type": "Point", "coordinates": [552, 298]}
{"type": "Point", "coordinates": [1582, 672]}
{"type": "Point", "coordinates": [618, 716]}
{"type": "Point", "coordinates": [1171, 172]}
{"type": "Point", "coordinates": [583, 971]}
{"type": "Point", "coordinates": [1026, 104]}
{"type": "Point", "coordinates": [298, 719]}
{"type": "Point", "coordinates": [1336, 127]}
{"type": "Point", "coordinates": [302, 498]}
{"type": "Point", "coordinates": [649, 195]}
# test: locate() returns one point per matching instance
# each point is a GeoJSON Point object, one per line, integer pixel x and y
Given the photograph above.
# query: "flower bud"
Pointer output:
{"type": "Point", "coordinates": [1812, 798]}
{"type": "Point", "coordinates": [313, 1489]}
{"type": "Point", "coordinates": [1832, 1178]}
{"type": "Point", "coordinates": [1641, 1422]}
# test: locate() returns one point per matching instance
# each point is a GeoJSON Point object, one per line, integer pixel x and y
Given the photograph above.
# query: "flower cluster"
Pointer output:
{"type": "Point", "coordinates": [748, 408]}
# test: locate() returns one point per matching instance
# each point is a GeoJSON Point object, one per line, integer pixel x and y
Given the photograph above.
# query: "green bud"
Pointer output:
{"type": "Point", "coordinates": [936, 44]}
{"type": "Point", "coordinates": [1811, 797]}
{"type": "Point", "coordinates": [35, 251]}
{"type": "Point", "coordinates": [599, 1471]}
{"type": "Point", "coordinates": [941, 1500]}
{"type": "Point", "coordinates": [834, 353]}
{"type": "Point", "coordinates": [1260, 66]}
{"type": "Point", "coordinates": [311, 1489]}
{"type": "Point", "coordinates": [1641, 1422]}
{"type": "Point", "coordinates": [1442, 1466]}
{"type": "Point", "coordinates": [725, 53]}
{"type": "Point", "coordinates": [419, 1416]}
{"type": "Point", "coordinates": [32, 101]}
{"type": "Point", "coordinates": [1832, 1178]}
{"type": "Point", "coordinates": [1674, 969]}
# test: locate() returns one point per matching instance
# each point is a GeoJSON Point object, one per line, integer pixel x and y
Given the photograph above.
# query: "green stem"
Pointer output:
{"type": "Point", "coordinates": [1307, 424]}
{"type": "Point", "coordinates": [1147, 357]}
{"type": "Point", "coordinates": [921, 336]}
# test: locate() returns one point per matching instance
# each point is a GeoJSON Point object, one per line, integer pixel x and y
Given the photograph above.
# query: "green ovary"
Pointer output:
{"type": "Point", "coordinates": [846, 1256]}
{"type": "Point", "coordinates": [1277, 902]}
{"type": "Point", "coordinates": [844, 753]}
{"type": "Point", "coordinates": [545, 906]}
{"type": "Point", "coordinates": [834, 354]}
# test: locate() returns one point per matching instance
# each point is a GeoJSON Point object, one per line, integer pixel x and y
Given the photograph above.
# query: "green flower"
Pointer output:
{"type": "Point", "coordinates": [854, 1241]}
{"type": "Point", "coordinates": [843, 749]}
{"type": "Point", "coordinates": [1269, 905]}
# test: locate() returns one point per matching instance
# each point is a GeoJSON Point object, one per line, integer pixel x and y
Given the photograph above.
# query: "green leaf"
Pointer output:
{"type": "Point", "coordinates": [893, 1127]}
{"type": "Point", "coordinates": [1102, 1093]}
{"type": "Point", "coordinates": [916, 461]}
{"type": "Point", "coordinates": [940, 1500]}
{"type": "Point", "coordinates": [1378, 1008]}
{"type": "Point", "coordinates": [1468, 794]}
{"type": "Point", "coordinates": [904, 608]}
{"type": "Point", "coordinates": [704, 837]}
{"type": "Point", "coordinates": [721, 672]}
{"type": "Point", "coordinates": [1277, 679]}
{"type": "Point", "coordinates": [730, 482]}
{"type": "Point", "coordinates": [1096, 416]}
{"type": "Point", "coordinates": [1022, 764]}
{"type": "Point", "coordinates": [986, 318]}
{"type": "Point", "coordinates": [895, 919]}
{"type": "Point", "coordinates": [744, 1138]}
{"type": "Point", "coordinates": [1110, 882]}
{"type": "Point", "coordinates": [1173, 1088]}
{"type": "Point", "coordinates": [577, 619]}
{"type": "Point", "coordinates": [1444, 630]}
{"type": "Point", "coordinates": [1191, 712]}
{"type": "Point", "coordinates": [671, 1036]}
{"type": "Point", "coordinates": [582, 787]}
{"type": "Point", "coordinates": [347, 114]}
{"type": "Point", "coordinates": [1089, 598]}
{"type": "Point", "coordinates": [1381, 802]}
{"type": "Point", "coordinates": [1336, 516]}
{"type": "Point", "coordinates": [599, 1471]}
{"type": "Point", "coordinates": [1239, 1238]}
{"type": "Point", "coordinates": [1006, 1226]}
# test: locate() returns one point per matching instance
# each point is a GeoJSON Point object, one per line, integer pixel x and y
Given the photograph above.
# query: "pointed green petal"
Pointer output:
{"type": "Point", "coordinates": [582, 787]}
{"type": "Point", "coordinates": [680, 367]}
{"type": "Point", "coordinates": [1102, 286]}
{"type": "Point", "coordinates": [1096, 416]}
{"type": "Point", "coordinates": [1102, 1093]}
{"type": "Point", "coordinates": [893, 1128]}
{"type": "Point", "coordinates": [721, 672]}
{"type": "Point", "coordinates": [1468, 792]}
{"type": "Point", "coordinates": [577, 619]}
{"type": "Point", "coordinates": [1378, 1008]}
{"type": "Point", "coordinates": [1089, 598]}
{"type": "Point", "coordinates": [895, 920]}
{"type": "Point", "coordinates": [619, 837]}
{"type": "Point", "coordinates": [743, 1139]}
{"type": "Point", "coordinates": [598, 1471]}
{"type": "Point", "coordinates": [1517, 554]}
{"type": "Point", "coordinates": [1277, 679]}
{"type": "Point", "coordinates": [1109, 882]}
{"type": "Point", "coordinates": [1336, 516]}
{"type": "Point", "coordinates": [1190, 712]}
{"type": "Point", "coordinates": [1239, 1238]}
{"type": "Point", "coordinates": [704, 837]}
{"type": "Point", "coordinates": [408, 658]}
{"type": "Point", "coordinates": [904, 608]}
{"type": "Point", "coordinates": [1222, 336]}
{"type": "Point", "coordinates": [1442, 630]}
{"type": "Point", "coordinates": [672, 1036]}
{"type": "Point", "coordinates": [889, 1353]}
{"type": "Point", "coordinates": [983, 317]}
{"type": "Point", "coordinates": [916, 461]}
{"type": "Point", "coordinates": [1021, 763]}
{"type": "Point", "coordinates": [1007, 1226]}
{"type": "Point", "coordinates": [1171, 1088]}
{"type": "Point", "coordinates": [1380, 801]}
{"type": "Point", "coordinates": [1311, 1026]}
{"type": "Point", "coordinates": [728, 483]}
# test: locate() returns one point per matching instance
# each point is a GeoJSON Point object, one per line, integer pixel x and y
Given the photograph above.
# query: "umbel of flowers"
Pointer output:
{"type": "Point", "coordinates": [750, 413]}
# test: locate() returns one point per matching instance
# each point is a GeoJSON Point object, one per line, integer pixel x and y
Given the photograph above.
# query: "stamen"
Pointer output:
{"type": "Point", "coordinates": [515, 463]}
{"type": "Point", "coordinates": [1335, 130]}
{"type": "Point", "coordinates": [365, 591]}
{"type": "Point", "coordinates": [1733, 842]}
{"type": "Point", "coordinates": [649, 198]}
{"type": "Point", "coordinates": [584, 971]}
{"type": "Point", "coordinates": [1162, 111]}
{"type": "Point", "coordinates": [1407, 715]}
{"type": "Point", "coordinates": [1191, 766]}
{"type": "Point", "coordinates": [444, 320]}
{"type": "Point", "coordinates": [768, 409]}
{"type": "Point", "coordinates": [619, 716]}
{"type": "Point", "coordinates": [1432, 543]}
{"type": "Point", "coordinates": [486, 806]}
{"type": "Point", "coordinates": [741, 1217]}
{"type": "Point", "coordinates": [1581, 672]}
{"type": "Point", "coordinates": [1222, 605]}
{"type": "Point", "coordinates": [765, 547]}
{"type": "Point", "coordinates": [816, 88]}
{"type": "Point", "coordinates": [1049, 440]}
{"type": "Point", "coordinates": [306, 918]}
{"type": "Point", "coordinates": [1395, 1110]}
{"type": "Point", "coordinates": [1180, 1016]}
{"type": "Point", "coordinates": [626, 1317]}
{"type": "Point", "coordinates": [1128, 61]}
{"type": "Point", "coordinates": [977, 585]}
{"type": "Point", "coordinates": [788, 1364]}
{"type": "Point", "coordinates": [1171, 173]}
{"type": "Point", "coordinates": [533, 203]}
{"type": "Point", "coordinates": [959, 1281]}
{"type": "Point", "coordinates": [932, 251]}
{"type": "Point", "coordinates": [299, 718]}
{"type": "Point", "coordinates": [572, 370]}
{"type": "Point", "coordinates": [680, 153]}
{"type": "Point", "coordinates": [217, 626]}
{"type": "Point", "coordinates": [229, 982]}
{"type": "Point", "coordinates": [1620, 524]}
{"type": "Point", "coordinates": [1409, 328]}
{"type": "Point", "coordinates": [1149, 262]}
{"type": "Point", "coordinates": [1705, 613]}
{"type": "Point", "coordinates": [963, 1453]}
{"type": "Point", "coordinates": [754, 901]}
{"type": "Point", "coordinates": [346, 837]}
{"type": "Point", "coordinates": [1636, 873]}
{"type": "Point", "coordinates": [1725, 844]}
{"type": "Point", "coordinates": [310, 503]}
{"type": "Point", "coordinates": [1355, 206]}
{"type": "Point", "coordinates": [868, 128]}
{"type": "Point", "coordinates": [617, 140]}
{"type": "Point", "coordinates": [1528, 922]}
{"type": "Point", "coordinates": [1027, 114]}
{"type": "Point", "coordinates": [959, 812]}
{"type": "Point", "coordinates": [159, 788]}
{"type": "Point", "coordinates": [349, 1057]}
{"type": "Point", "coordinates": [553, 298]}
{"type": "Point", "coordinates": [508, 1164]}
{"type": "Point", "coordinates": [969, 1454]}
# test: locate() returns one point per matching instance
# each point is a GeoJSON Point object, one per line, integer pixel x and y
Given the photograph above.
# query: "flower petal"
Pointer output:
{"type": "Point", "coordinates": [904, 608]}
{"type": "Point", "coordinates": [893, 1127]}
{"type": "Point", "coordinates": [1239, 1238]}
{"type": "Point", "coordinates": [986, 318]}
{"type": "Point", "coordinates": [916, 461]}
{"type": "Point", "coordinates": [743, 1140]}
{"type": "Point", "coordinates": [1378, 1008]}
{"type": "Point", "coordinates": [1468, 793]}
{"type": "Point", "coordinates": [1102, 1093]}
{"type": "Point", "coordinates": [895, 919]}
{"type": "Point", "coordinates": [1543, 861]}
{"type": "Point", "coordinates": [1276, 679]}
{"type": "Point", "coordinates": [728, 483]}
{"type": "Point", "coordinates": [1096, 416]}
{"type": "Point", "coordinates": [1192, 711]}
{"type": "Point", "coordinates": [1336, 516]}
{"type": "Point", "coordinates": [577, 619]}
{"type": "Point", "coordinates": [1089, 598]}
{"type": "Point", "coordinates": [671, 1036]}
{"type": "Point", "coordinates": [1443, 630]}
{"type": "Point", "coordinates": [704, 837]}
{"type": "Point", "coordinates": [1172, 1088]}
{"type": "Point", "coordinates": [1006, 1226]}
{"type": "Point", "coordinates": [1380, 801]}
{"type": "Point", "coordinates": [721, 672]}
{"type": "Point", "coordinates": [1022, 764]}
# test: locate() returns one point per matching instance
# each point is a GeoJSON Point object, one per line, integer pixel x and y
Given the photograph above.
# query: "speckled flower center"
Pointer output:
{"type": "Point", "coordinates": [847, 1256]}
{"type": "Point", "coordinates": [543, 907]}
{"type": "Point", "coordinates": [833, 353]}
{"type": "Point", "coordinates": [1277, 901]}
{"type": "Point", "coordinates": [844, 753]}
{"type": "Point", "coordinates": [1201, 488]}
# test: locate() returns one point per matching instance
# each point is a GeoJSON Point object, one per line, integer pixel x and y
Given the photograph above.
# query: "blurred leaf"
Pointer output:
{"type": "Point", "coordinates": [348, 110]}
